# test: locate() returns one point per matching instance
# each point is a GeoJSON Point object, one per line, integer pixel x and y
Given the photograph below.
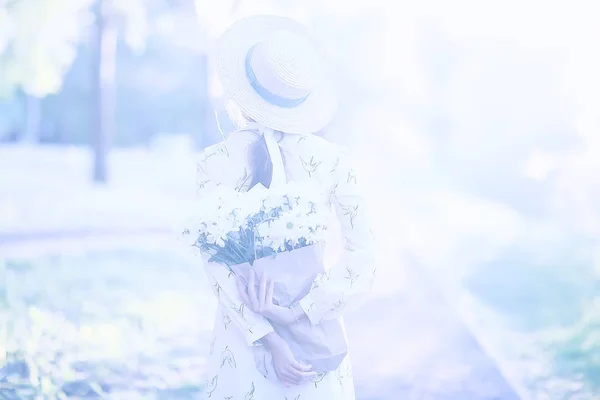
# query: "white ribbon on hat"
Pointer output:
{"type": "Point", "coordinates": [278, 177]}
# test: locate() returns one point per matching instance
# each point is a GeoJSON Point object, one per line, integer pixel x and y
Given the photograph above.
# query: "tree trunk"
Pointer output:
{"type": "Point", "coordinates": [207, 117]}
{"type": "Point", "coordinates": [33, 119]}
{"type": "Point", "coordinates": [103, 100]}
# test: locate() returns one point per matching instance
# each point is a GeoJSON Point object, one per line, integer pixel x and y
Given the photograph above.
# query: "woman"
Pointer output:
{"type": "Point", "coordinates": [272, 72]}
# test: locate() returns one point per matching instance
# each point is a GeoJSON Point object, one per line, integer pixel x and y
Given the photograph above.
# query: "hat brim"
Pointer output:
{"type": "Point", "coordinates": [311, 116]}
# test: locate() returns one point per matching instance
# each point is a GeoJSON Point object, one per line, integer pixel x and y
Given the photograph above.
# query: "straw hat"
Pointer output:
{"type": "Point", "coordinates": [271, 67]}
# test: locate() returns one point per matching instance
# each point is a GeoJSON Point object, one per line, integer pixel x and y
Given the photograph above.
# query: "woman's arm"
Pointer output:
{"type": "Point", "coordinates": [347, 284]}
{"type": "Point", "coordinates": [261, 300]}
{"type": "Point", "coordinates": [211, 168]}
{"type": "Point", "coordinates": [253, 325]}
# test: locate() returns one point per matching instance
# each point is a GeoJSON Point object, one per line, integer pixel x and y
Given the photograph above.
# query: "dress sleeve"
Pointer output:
{"type": "Point", "coordinates": [347, 284]}
{"type": "Point", "coordinates": [253, 326]}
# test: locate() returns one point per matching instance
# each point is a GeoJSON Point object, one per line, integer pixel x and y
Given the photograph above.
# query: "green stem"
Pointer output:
{"type": "Point", "coordinates": [232, 245]}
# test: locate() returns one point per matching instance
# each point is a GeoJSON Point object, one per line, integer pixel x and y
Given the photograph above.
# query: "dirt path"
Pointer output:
{"type": "Point", "coordinates": [420, 350]}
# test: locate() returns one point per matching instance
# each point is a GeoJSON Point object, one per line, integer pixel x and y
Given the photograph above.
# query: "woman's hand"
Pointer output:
{"type": "Point", "coordinates": [288, 369]}
{"type": "Point", "coordinates": [261, 300]}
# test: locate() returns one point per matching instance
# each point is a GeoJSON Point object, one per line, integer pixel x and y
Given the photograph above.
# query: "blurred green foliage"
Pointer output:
{"type": "Point", "coordinates": [46, 55]}
{"type": "Point", "coordinates": [39, 42]}
{"type": "Point", "coordinates": [532, 294]}
{"type": "Point", "coordinates": [551, 296]}
{"type": "Point", "coordinates": [576, 352]}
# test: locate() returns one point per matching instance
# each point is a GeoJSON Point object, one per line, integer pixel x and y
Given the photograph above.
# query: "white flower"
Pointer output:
{"type": "Point", "coordinates": [303, 217]}
{"type": "Point", "coordinates": [306, 220]}
{"type": "Point", "coordinates": [273, 202]}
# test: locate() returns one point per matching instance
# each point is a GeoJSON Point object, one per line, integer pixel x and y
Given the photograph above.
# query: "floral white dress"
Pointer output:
{"type": "Point", "coordinates": [236, 348]}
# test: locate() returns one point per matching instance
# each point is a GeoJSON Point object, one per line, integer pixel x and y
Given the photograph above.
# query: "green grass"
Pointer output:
{"type": "Point", "coordinates": [118, 325]}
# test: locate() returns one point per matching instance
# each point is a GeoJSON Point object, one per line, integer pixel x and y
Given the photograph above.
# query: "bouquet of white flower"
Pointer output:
{"type": "Point", "coordinates": [275, 233]}
{"type": "Point", "coordinates": [242, 227]}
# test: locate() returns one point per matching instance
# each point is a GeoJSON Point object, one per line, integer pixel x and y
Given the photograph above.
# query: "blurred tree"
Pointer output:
{"type": "Point", "coordinates": [38, 43]}
{"type": "Point", "coordinates": [39, 40]}
{"type": "Point", "coordinates": [104, 46]}
{"type": "Point", "coordinates": [37, 46]}
{"type": "Point", "coordinates": [160, 91]}
{"type": "Point", "coordinates": [109, 16]}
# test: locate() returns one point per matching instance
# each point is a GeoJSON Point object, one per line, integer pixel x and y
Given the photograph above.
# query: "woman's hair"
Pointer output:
{"type": "Point", "coordinates": [261, 166]}
{"type": "Point", "coordinates": [236, 115]}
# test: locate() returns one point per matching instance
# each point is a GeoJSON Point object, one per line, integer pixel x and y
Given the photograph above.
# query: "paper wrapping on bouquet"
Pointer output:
{"type": "Point", "coordinates": [324, 346]}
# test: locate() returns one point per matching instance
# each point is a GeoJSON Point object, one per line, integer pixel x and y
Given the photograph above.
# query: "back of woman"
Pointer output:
{"type": "Point", "coordinates": [265, 337]}
{"type": "Point", "coordinates": [242, 158]}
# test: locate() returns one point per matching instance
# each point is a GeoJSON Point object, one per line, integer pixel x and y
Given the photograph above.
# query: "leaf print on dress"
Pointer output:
{"type": "Point", "coordinates": [351, 177]}
{"type": "Point", "coordinates": [373, 276]}
{"type": "Point", "coordinates": [217, 289]}
{"type": "Point", "coordinates": [310, 166]}
{"type": "Point", "coordinates": [222, 149]}
{"type": "Point", "coordinates": [200, 187]}
{"type": "Point", "coordinates": [243, 182]}
{"type": "Point", "coordinates": [333, 194]}
{"type": "Point", "coordinates": [311, 306]}
{"type": "Point", "coordinates": [342, 375]}
{"type": "Point", "coordinates": [227, 358]}
{"type": "Point", "coordinates": [317, 379]}
{"type": "Point", "coordinates": [316, 284]}
{"type": "Point", "coordinates": [336, 165]}
{"type": "Point", "coordinates": [352, 276]}
{"type": "Point", "coordinates": [201, 167]}
{"type": "Point", "coordinates": [351, 212]}
{"type": "Point", "coordinates": [212, 346]}
{"type": "Point", "coordinates": [211, 385]}
{"type": "Point", "coordinates": [250, 394]}
{"type": "Point", "coordinates": [348, 245]}
{"type": "Point", "coordinates": [219, 149]}
{"type": "Point", "coordinates": [262, 367]}
{"type": "Point", "coordinates": [239, 310]}
{"type": "Point", "coordinates": [313, 208]}
{"type": "Point", "coordinates": [295, 398]}
{"type": "Point", "coordinates": [226, 320]}
{"type": "Point", "coordinates": [340, 303]}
